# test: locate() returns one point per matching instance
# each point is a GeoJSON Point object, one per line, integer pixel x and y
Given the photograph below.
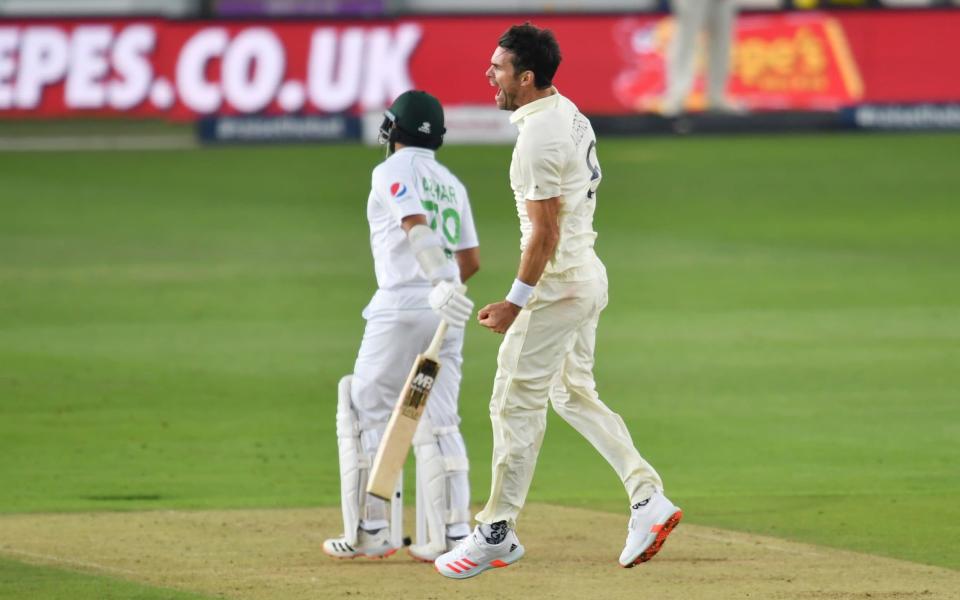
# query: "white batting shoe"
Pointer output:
{"type": "Point", "coordinates": [473, 555]}
{"type": "Point", "coordinates": [371, 545]}
{"type": "Point", "coordinates": [651, 521]}
{"type": "Point", "coordinates": [426, 553]}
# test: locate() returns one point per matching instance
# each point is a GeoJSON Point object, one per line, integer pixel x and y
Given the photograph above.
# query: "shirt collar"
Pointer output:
{"type": "Point", "coordinates": [416, 150]}
{"type": "Point", "coordinates": [537, 105]}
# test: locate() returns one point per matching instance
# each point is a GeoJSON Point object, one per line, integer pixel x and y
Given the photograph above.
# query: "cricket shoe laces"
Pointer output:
{"type": "Point", "coordinates": [371, 545]}
{"type": "Point", "coordinates": [473, 555]}
{"type": "Point", "coordinates": [651, 521]}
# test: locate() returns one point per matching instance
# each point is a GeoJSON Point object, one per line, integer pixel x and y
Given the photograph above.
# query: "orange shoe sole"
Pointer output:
{"type": "Point", "coordinates": [665, 530]}
{"type": "Point", "coordinates": [381, 557]}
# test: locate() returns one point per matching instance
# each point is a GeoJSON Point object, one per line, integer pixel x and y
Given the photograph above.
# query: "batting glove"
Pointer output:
{"type": "Point", "coordinates": [448, 300]}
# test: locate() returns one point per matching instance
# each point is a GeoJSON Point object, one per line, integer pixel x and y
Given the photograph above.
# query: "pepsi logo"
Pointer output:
{"type": "Point", "coordinates": [397, 190]}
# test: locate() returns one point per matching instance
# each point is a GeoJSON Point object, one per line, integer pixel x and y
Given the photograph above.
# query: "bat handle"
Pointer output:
{"type": "Point", "coordinates": [433, 350]}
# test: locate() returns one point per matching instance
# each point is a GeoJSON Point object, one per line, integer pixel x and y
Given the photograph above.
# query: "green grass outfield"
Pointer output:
{"type": "Point", "coordinates": [783, 337]}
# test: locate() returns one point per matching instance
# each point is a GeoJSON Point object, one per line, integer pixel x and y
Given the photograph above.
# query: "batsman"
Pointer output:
{"type": "Point", "coordinates": [424, 247]}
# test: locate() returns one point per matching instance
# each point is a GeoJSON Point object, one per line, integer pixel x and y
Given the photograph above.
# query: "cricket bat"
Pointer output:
{"type": "Point", "coordinates": [398, 435]}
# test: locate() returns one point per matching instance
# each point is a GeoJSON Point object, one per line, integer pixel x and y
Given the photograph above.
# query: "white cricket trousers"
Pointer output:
{"type": "Point", "coordinates": [397, 330]}
{"type": "Point", "coordinates": [717, 18]}
{"type": "Point", "coordinates": [399, 326]}
{"type": "Point", "coordinates": [547, 354]}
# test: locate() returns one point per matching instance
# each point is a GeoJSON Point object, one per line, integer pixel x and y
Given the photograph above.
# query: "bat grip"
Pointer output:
{"type": "Point", "coordinates": [433, 350]}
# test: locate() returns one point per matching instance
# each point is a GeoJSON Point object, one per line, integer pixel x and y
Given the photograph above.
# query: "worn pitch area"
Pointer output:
{"type": "Point", "coordinates": [571, 553]}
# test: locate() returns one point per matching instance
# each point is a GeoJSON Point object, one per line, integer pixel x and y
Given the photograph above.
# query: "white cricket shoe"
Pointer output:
{"type": "Point", "coordinates": [424, 553]}
{"type": "Point", "coordinates": [371, 545]}
{"type": "Point", "coordinates": [473, 555]}
{"type": "Point", "coordinates": [651, 521]}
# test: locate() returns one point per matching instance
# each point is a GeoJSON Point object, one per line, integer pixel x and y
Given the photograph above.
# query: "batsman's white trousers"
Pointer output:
{"type": "Point", "coordinates": [547, 354]}
{"type": "Point", "coordinates": [400, 325]}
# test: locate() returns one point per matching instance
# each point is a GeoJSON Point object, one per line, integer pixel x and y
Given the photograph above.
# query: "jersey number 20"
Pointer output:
{"type": "Point", "coordinates": [448, 220]}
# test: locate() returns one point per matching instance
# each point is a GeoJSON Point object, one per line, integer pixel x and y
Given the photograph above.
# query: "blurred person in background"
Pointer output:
{"type": "Point", "coordinates": [716, 19]}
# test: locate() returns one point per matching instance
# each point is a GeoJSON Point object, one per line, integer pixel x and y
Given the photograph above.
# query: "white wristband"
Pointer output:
{"type": "Point", "coordinates": [520, 293]}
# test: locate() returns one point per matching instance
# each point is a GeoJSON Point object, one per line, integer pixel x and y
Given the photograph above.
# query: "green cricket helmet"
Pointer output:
{"type": "Point", "coordinates": [415, 119]}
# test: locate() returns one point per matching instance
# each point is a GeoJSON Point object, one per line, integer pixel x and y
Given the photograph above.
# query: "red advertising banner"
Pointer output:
{"type": "Point", "coordinates": [612, 64]}
{"type": "Point", "coordinates": [783, 61]}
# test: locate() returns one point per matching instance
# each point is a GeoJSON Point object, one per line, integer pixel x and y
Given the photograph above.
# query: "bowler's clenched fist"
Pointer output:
{"type": "Point", "coordinates": [499, 316]}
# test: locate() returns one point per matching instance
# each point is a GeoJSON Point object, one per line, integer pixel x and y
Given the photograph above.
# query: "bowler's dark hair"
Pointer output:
{"type": "Point", "coordinates": [533, 49]}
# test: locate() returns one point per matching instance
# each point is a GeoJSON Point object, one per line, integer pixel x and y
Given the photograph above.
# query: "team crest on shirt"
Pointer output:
{"type": "Point", "coordinates": [398, 190]}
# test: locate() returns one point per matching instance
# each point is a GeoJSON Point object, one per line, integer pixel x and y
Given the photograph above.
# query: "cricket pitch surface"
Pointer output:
{"type": "Point", "coordinates": [571, 553]}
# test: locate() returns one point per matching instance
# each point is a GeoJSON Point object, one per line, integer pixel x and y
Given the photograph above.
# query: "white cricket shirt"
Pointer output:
{"type": "Point", "coordinates": [555, 156]}
{"type": "Point", "coordinates": [412, 182]}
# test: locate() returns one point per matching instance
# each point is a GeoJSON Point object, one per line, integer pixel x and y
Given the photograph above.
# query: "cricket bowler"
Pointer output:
{"type": "Point", "coordinates": [550, 316]}
{"type": "Point", "coordinates": [424, 246]}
